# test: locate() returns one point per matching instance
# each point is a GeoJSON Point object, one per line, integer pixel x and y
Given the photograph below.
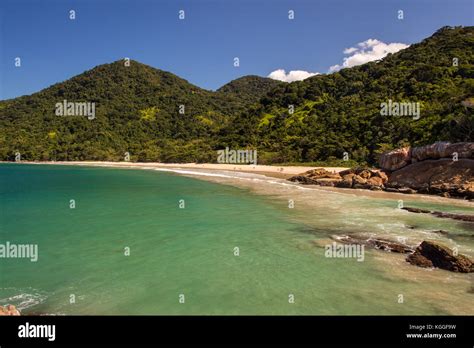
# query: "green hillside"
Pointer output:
{"type": "Point", "coordinates": [137, 111]}
{"type": "Point", "coordinates": [250, 88]}
{"type": "Point", "coordinates": [340, 112]}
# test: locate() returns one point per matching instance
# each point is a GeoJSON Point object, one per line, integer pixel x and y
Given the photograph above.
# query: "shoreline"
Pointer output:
{"type": "Point", "coordinates": [280, 172]}
{"type": "Point", "coordinates": [270, 172]}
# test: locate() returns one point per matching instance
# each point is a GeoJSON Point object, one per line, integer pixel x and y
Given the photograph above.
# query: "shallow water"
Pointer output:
{"type": "Point", "coordinates": [190, 251]}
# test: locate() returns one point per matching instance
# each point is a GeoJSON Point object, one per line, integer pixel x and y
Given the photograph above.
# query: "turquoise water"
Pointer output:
{"type": "Point", "coordinates": [190, 251]}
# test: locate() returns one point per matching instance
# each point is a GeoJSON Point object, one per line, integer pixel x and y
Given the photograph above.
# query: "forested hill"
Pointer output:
{"type": "Point", "coordinates": [137, 110]}
{"type": "Point", "coordinates": [340, 112]}
{"type": "Point", "coordinates": [250, 88]}
{"type": "Point", "coordinates": [152, 114]}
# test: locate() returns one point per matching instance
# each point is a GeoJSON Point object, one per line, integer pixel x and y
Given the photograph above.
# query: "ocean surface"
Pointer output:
{"type": "Point", "coordinates": [160, 242]}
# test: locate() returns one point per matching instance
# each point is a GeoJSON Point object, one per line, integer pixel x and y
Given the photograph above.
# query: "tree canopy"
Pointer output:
{"type": "Point", "coordinates": [156, 116]}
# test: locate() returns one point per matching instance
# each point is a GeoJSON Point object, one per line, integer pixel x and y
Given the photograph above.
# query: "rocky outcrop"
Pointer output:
{"type": "Point", "coordinates": [400, 158]}
{"type": "Point", "coordinates": [321, 173]}
{"type": "Point", "coordinates": [419, 260]}
{"type": "Point", "coordinates": [443, 176]}
{"type": "Point", "coordinates": [371, 179]}
{"type": "Point", "coordinates": [9, 310]}
{"type": "Point", "coordinates": [441, 168]}
{"type": "Point", "coordinates": [362, 178]}
{"type": "Point", "coordinates": [395, 159]}
{"type": "Point", "coordinates": [429, 254]}
{"type": "Point", "coordinates": [350, 178]}
{"type": "Point", "coordinates": [301, 179]}
{"type": "Point", "coordinates": [442, 150]}
{"type": "Point", "coordinates": [319, 176]}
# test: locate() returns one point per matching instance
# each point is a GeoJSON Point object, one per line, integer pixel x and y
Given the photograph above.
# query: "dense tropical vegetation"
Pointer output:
{"type": "Point", "coordinates": [321, 118]}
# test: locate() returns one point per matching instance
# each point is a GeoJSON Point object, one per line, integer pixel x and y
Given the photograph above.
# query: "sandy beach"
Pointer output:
{"type": "Point", "coordinates": [220, 173]}
{"type": "Point", "coordinates": [282, 172]}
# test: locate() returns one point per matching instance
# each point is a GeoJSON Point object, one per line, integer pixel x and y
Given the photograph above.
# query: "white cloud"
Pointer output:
{"type": "Point", "coordinates": [293, 75]}
{"type": "Point", "coordinates": [350, 50]}
{"type": "Point", "coordinates": [367, 51]}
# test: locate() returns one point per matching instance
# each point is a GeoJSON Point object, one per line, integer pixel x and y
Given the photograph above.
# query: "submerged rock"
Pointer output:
{"type": "Point", "coordinates": [419, 260]}
{"type": "Point", "coordinates": [440, 214]}
{"type": "Point", "coordinates": [429, 254]}
{"type": "Point", "coordinates": [394, 247]}
{"type": "Point", "coordinates": [462, 217]}
{"type": "Point", "coordinates": [442, 232]}
{"type": "Point", "coordinates": [417, 210]}
{"type": "Point", "coordinates": [375, 243]}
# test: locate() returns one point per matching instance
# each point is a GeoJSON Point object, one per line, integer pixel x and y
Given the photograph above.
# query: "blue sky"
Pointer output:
{"type": "Point", "coordinates": [201, 48]}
